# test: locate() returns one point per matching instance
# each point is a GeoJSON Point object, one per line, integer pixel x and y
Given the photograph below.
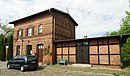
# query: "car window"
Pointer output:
{"type": "Point", "coordinates": [25, 58]}
{"type": "Point", "coordinates": [31, 58]}
{"type": "Point", "coordinates": [16, 57]}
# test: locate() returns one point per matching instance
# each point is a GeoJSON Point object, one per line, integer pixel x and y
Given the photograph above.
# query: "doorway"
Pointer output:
{"type": "Point", "coordinates": [82, 55]}
{"type": "Point", "coordinates": [18, 50]}
{"type": "Point", "coordinates": [40, 52]}
{"type": "Point", "coordinates": [29, 49]}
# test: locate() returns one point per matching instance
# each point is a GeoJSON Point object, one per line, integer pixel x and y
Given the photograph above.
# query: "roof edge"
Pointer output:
{"type": "Point", "coordinates": [53, 9]}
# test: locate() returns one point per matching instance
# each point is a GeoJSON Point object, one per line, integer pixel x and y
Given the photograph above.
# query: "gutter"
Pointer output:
{"type": "Point", "coordinates": [53, 31]}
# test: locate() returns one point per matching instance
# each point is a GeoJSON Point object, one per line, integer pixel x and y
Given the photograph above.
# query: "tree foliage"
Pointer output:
{"type": "Point", "coordinates": [10, 49]}
{"type": "Point", "coordinates": [6, 38]}
{"type": "Point", "coordinates": [2, 52]}
{"type": "Point", "coordinates": [124, 29]}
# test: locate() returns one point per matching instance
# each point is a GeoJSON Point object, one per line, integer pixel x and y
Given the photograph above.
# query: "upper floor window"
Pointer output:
{"type": "Point", "coordinates": [19, 33]}
{"type": "Point", "coordinates": [40, 29]}
{"type": "Point", "coordinates": [29, 31]}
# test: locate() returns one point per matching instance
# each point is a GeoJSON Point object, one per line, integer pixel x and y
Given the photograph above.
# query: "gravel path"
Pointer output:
{"type": "Point", "coordinates": [45, 71]}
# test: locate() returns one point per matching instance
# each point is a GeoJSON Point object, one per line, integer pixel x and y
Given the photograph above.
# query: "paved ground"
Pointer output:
{"type": "Point", "coordinates": [55, 70]}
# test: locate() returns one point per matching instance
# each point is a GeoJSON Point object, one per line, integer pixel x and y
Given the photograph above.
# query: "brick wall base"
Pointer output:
{"type": "Point", "coordinates": [107, 66]}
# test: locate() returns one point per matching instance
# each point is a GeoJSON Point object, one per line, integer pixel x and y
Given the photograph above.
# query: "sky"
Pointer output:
{"type": "Point", "coordinates": [94, 17]}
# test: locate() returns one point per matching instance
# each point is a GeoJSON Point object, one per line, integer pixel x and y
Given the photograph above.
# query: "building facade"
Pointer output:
{"type": "Point", "coordinates": [34, 33]}
{"type": "Point", "coordinates": [54, 30]}
{"type": "Point", "coordinates": [101, 51]}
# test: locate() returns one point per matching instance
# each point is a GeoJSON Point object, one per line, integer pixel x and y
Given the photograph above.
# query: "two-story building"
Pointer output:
{"type": "Point", "coordinates": [35, 32]}
{"type": "Point", "coordinates": [55, 30]}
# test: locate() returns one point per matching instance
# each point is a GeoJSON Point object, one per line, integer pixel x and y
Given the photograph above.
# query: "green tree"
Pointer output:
{"type": "Point", "coordinates": [126, 52]}
{"type": "Point", "coordinates": [6, 34]}
{"type": "Point", "coordinates": [2, 49]}
{"type": "Point", "coordinates": [124, 29]}
{"type": "Point", "coordinates": [10, 49]}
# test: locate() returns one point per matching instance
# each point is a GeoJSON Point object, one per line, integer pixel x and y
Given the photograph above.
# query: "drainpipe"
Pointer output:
{"type": "Point", "coordinates": [120, 50]}
{"type": "Point", "coordinates": [54, 37]}
{"type": "Point", "coordinates": [53, 25]}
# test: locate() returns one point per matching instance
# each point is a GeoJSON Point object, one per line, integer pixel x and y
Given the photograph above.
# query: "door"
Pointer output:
{"type": "Point", "coordinates": [18, 50]}
{"type": "Point", "coordinates": [82, 54]}
{"type": "Point", "coordinates": [29, 49]}
{"type": "Point", "coordinates": [40, 52]}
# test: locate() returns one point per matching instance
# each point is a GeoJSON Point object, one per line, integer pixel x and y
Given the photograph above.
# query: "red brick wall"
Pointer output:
{"type": "Point", "coordinates": [65, 28]}
{"type": "Point", "coordinates": [45, 38]}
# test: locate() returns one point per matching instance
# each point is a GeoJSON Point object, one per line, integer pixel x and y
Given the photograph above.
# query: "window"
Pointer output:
{"type": "Point", "coordinates": [85, 43]}
{"type": "Point", "coordinates": [40, 29]}
{"type": "Point", "coordinates": [30, 31]}
{"type": "Point", "coordinates": [19, 33]}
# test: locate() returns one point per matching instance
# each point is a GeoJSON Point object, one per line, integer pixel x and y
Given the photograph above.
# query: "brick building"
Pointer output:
{"type": "Point", "coordinates": [55, 30]}
{"type": "Point", "coordinates": [35, 32]}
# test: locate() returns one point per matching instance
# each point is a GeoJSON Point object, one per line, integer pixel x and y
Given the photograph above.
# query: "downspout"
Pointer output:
{"type": "Point", "coordinates": [53, 25]}
{"type": "Point", "coordinates": [53, 39]}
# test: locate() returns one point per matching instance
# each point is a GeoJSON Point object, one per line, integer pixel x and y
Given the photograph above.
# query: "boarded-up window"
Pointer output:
{"type": "Point", "coordinates": [65, 50]}
{"type": "Point", "coordinates": [113, 40]}
{"type": "Point", "coordinates": [72, 50]}
{"type": "Point", "coordinates": [72, 44]}
{"type": "Point", "coordinates": [65, 44]}
{"type": "Point", "coordinates": [93, 50]}
{"type": "Point", "coordinates": [114, 49]}
{"type": "Point", "coordinates": [93, 59]}
{"type": "Point", "coordinates": [103, 41]}
{"type": "Point", "coordinates": [115, 59]}
{"type": "Point", "coordinates": [103, 49]}
{"type": "Point", "coordinates": [59, 50]}
{"type": "Point", "coordinates": [59, 44]}
{"type": "Point", "coordinates": [58, 57]}
{"type": "Point", "coordinates": [92, 42]}
{"type": "Point", "coordinates": [104, 59]}
{"type": "Point", "coordinates": [72, 58]}
{"type": "Point", "coordinates": [65, 57]}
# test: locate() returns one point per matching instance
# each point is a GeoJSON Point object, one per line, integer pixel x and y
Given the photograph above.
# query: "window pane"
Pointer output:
{"type": "Point", "coordinates": [19, 33]}
{"type": "Point", "coordinates": [30, 32]}
{"type": "Point", "coordinates": [40, 29]}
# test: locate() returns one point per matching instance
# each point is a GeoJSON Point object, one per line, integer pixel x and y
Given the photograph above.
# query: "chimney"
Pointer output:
{"type": "Point", "coordinates": [85, 37]}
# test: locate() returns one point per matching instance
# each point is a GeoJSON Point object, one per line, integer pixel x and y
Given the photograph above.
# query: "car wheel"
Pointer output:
{"type": "Point", "coordinates": [22, 68]}
{"type": "Point", "coordinates": [9, 66]}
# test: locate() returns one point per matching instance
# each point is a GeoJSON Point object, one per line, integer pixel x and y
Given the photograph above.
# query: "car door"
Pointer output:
{"type": "Point", "coordinates": [18, 61]}
{"type": "Point", "coordinates": [13, 61]}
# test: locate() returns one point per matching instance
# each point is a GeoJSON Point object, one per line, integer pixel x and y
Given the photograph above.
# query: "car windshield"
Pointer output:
{"type": "Point", "coordinates": [31, 58]}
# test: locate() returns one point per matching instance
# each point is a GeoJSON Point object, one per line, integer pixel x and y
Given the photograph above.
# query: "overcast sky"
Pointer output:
{"type": "Point", "coordinates": [94, 17]}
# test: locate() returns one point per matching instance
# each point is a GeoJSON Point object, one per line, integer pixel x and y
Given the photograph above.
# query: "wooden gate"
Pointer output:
{"type": "Point", "coordinates": [82, 55]}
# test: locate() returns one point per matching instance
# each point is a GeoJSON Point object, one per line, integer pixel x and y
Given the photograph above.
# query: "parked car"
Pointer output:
{"type": "Point", "coordinates": [23, 62]}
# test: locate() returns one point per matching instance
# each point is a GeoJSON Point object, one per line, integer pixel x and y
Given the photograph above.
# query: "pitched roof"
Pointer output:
{"type": "Point", "coordinates": [51, 9]}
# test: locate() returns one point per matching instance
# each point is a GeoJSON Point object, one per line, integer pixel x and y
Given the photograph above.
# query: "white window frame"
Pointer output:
{"type": "Point", "coordinates": [40, 29]}
{"type": "Point", "coordinates": [30, 31]}
{"type": "Point", "coordinates": [19, 33]}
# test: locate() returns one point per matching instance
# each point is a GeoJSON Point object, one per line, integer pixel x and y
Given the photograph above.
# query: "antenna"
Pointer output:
{"type": "Point", "coordinates": [67, 9]}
